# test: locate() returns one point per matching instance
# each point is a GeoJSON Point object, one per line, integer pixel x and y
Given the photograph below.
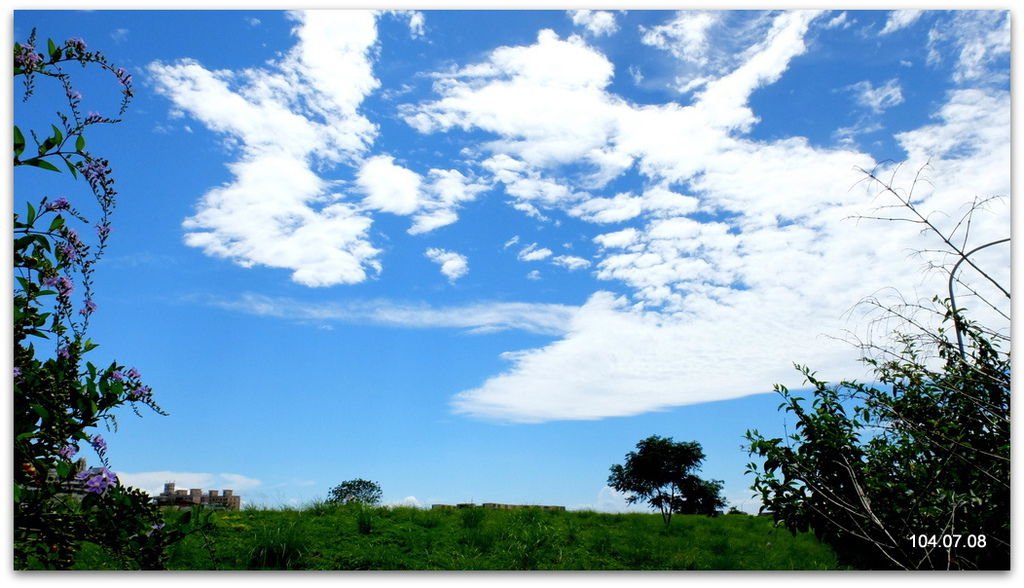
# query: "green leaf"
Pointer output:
{"type": "Point", "coordinates": [58, 137]}
{"type": "Point", "coordinates": [71, 167]}
{"type": "Point", "coordinates": [41, 411]}
{"type": "Point", "coordinates": [41, 163]}
{"type": "Point", "coordinates": [54, 51]}
{"type": "Point", "coordinates": [19, 142]}
{"type": "Point", "coordinates": [57, 223]}
{"type": "Point", "coordinates": [31, 217]}
{"type": "Point", "coordinates": [80, 143]}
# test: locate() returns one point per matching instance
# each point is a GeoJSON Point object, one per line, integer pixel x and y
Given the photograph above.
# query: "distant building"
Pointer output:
{"type": "Point", "coordinates": [195, 496]}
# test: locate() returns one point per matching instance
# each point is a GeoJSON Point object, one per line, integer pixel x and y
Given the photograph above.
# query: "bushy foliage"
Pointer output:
{"type": "Point", "coordinates": [59, 397]}
{"type": "Point", "coordinates": [662, 472]}
{"type": "Point", "coordinates": [912, 471]}
{"type": "Point", "coordinates": [925, 452]}
{"type": "Point", "coordinates": [356, 491]}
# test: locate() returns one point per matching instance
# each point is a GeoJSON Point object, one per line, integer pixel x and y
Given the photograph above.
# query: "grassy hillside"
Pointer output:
{"type": "Point", "coordinates": [352, 538]}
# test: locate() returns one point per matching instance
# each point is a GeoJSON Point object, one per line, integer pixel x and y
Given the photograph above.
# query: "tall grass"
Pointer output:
{"type": "Point", "coordinates": [351, 537]}
{"type": "Point", "coordinates": [278, 546]}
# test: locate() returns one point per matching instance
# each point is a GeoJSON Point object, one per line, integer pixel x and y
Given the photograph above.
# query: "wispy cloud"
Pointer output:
{"type": "Point", "coordinates": [719, 306]}
{"type": "Point", "coordinates": [534, 253]}
{"type": "Point", "coordinates": [596, 22]}
{"type": "Point", "coordinates": [900, 19]}
{"type": "Point", "coordinates": [453, 265]}
{"type": "Point", "coordinates": [277, 211]}
{"type": "Point", "coordinates": [484, 317]}
{"type": "Point", "coordinates": [880, 98]}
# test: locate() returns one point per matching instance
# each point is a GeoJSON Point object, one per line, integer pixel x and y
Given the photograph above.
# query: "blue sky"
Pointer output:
{"type": "Point", "coordinates": [477, 256]}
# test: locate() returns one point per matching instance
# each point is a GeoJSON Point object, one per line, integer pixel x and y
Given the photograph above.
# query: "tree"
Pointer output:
{"type": "Point", "coordinates": [661, 471]}
{"type": "Point", "coordinates": [60, 398]}
{"type": "Point", "coordinates": [356, 491]}
{"type": "Point", "coordinates": [911, 472]}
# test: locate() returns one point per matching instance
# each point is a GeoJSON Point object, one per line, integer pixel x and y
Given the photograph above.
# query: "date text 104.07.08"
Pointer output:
{"type": "Point", "coordinates": [947, 541]}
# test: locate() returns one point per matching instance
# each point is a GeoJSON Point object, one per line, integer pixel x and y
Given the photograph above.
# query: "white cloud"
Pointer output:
{"type": "Point", "coordinates": [286, 119]}
{"type": "Point", "coordinates": [453, 265]}
{"type": "Point", "coordinates": [483, 317]}
{"type": "Point", "coordinates": [617, 239]}
{"type": "Point", "coordinates": [979, 40]}
{"type": "Point", "coordinates": [153, 482]}
{"type": "Point", "coordinates": [620, 208]}
{"type": "Point", "coordinates": [445, 192]}
{"type": "Point", "coordinates": [533, 275]}
{"type": "Point", "coordinates": [389, 187]}
{"type": "Point", "coordinates": [571, 262]}
{"type": "Point", "coordinates": [511, 242]}
{"type": "Point", "coordinates": [596, 22]}
{"type": "Point", "coordinates": [686, 36]}
{"type": "Point", "coordinates": [878, 99]}
{"type": "Point", "coordinates": [840, 21]}
{"type": "Point", "coordinates": [720, 303]}
{"type": "Point", "coordinates": [900, 19]}
{"type": "Point", "coordinates": [410, 501]}
{"type": "Point", "coordinates": [533, 253]}
{"type": "Point", "coordinates": [710, 44]}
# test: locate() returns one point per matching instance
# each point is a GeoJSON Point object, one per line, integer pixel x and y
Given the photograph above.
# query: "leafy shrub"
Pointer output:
{"type": "Point", "coordinates": [59, 397]}
{"type": "Point", "coordinates": [912, 472]}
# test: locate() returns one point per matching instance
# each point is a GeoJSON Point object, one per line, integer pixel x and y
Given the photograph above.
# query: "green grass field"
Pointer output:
{"type": "Point", "coordinates": [323, 537]}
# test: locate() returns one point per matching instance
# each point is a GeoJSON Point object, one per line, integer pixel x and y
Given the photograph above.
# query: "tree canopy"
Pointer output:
{"type": "Point", "coordinates": [662, 473]}
{"type": "Point", "coordinates": [356, 491]}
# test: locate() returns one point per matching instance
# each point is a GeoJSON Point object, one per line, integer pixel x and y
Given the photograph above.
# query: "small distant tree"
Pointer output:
{"type": "Point", "coordinates": [661, 472]}
{"type": "Point", "coordinates": [356, 491]}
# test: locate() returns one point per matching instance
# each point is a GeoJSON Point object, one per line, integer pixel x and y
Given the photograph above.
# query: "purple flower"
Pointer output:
{"type": "Point", "coordinates": [117, 376]}
{"type": "Point", "coordinates": [103, 230]}
{"type": "Point", "coordinates": [134, 374]}
{"type": "Point", "coordinates": [76, 43]}
{"type": "Point", "coordinates": [27, 58]}
{"type": "Point", "coordinates": [140, 393]}
{"type": "Point", "coordinates": [97, 480]}
{"type": "Point", "coordinates": [95, 171]}
{"type": "Point", "coordinates": [69, 252]}
{"type": "Point", "coordinates": [88, 308]}
{"type": "Point", "coordinates": [99, 444]}
{"type": "Point", "coordinates": [17, 373]}
{"type": "Point", "coordinates": [68, 451]}
{"type": "Point", "coordinates": [63, 352]}
{"type": "Point", "coordinates": [65, 286]}
{"type": "Point", "coordinates": [59, 203]}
